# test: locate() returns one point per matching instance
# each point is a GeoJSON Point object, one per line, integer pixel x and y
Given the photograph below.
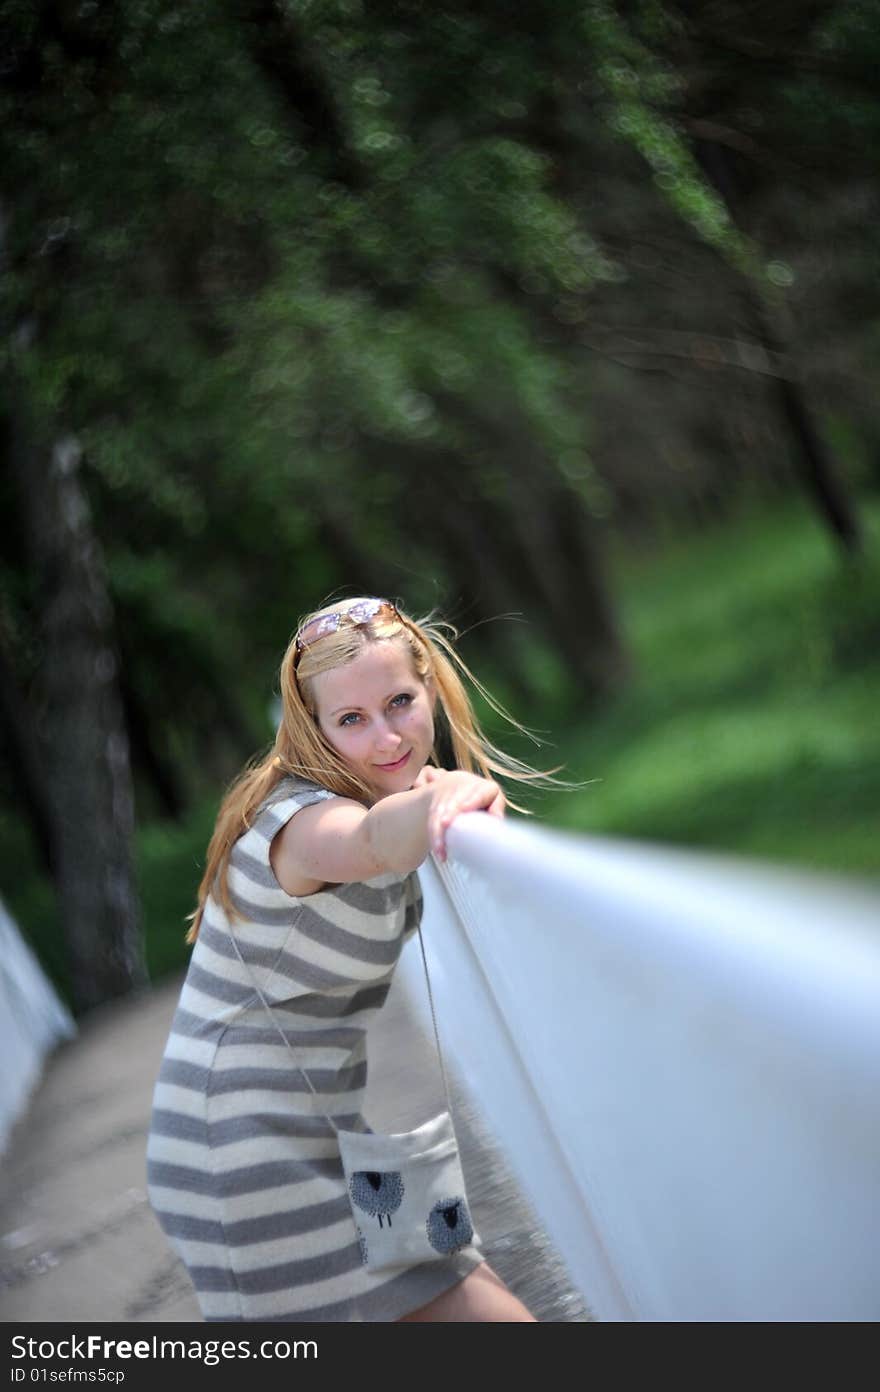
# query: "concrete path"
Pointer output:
{"type": "Point", "coordinates": [78, 1240]}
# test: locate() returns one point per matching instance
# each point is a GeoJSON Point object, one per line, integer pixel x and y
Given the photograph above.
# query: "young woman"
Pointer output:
{"type": "Point", "coordinates": [312, 868]}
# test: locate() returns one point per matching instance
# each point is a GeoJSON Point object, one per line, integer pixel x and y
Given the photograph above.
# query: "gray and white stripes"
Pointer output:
{"type": "Point", "coordinates": [243, 1168]}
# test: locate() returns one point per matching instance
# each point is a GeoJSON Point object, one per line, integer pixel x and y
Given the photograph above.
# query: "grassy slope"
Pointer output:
{"type": "Point", "coordinates": [752, 723]}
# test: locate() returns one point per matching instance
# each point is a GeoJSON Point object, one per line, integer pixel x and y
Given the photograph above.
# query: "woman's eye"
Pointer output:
{"type": "Point", "coordinates": [404, 697]}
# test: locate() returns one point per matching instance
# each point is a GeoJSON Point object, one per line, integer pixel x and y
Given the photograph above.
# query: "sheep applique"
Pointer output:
{"type": "Point", "coordinates": [378, 1193]}
{"type": "Point", "coordinates": [449, 1225]}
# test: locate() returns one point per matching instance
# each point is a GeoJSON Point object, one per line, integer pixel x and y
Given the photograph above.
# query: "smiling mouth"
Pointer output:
{"type": "Point", "coordinates": [398, 764]}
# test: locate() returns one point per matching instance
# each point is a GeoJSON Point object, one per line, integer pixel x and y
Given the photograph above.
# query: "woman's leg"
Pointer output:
{"type": "Point", "coordinates": [481, 1297]}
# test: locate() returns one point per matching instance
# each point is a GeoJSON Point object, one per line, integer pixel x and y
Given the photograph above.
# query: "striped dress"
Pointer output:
{"type": "Point", "coordinates": [243, 1169]}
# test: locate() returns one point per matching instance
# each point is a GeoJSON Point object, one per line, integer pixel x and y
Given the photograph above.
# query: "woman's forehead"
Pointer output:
{"type": "Point", "coordinates": [372, 675]}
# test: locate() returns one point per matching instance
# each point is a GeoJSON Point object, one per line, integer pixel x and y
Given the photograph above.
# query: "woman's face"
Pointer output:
{"type": "Point", "coordinates": [378, 716]}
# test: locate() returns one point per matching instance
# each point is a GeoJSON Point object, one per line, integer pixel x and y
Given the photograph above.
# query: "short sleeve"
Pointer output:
{"type": "Point", "coordinates": [266, 913]}
{"type": "Point", "coordinates": [254, 890]}
{"type": "Point", "coordinates": [273, 815]}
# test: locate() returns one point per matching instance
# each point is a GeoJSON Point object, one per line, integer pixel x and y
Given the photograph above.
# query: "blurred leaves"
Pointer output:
{"type": "Point", "coordinates": [309, 281]}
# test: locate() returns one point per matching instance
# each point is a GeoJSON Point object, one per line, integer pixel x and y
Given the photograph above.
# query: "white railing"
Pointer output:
{"type": "Point", "coordinates": [680, 1056]}
{"type": "Point", "coordinates": [32, 1021]}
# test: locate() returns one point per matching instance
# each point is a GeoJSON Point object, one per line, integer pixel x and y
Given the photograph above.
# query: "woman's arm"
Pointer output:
{"type": "Point", "coordinates": [397, 828]}
{"type": "Point", "coordinates": [338, 841]}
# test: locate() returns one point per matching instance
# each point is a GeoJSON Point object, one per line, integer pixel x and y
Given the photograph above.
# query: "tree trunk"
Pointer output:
{"type": "Point", "coordinates": [146, 757]}
{"type": "Point", "coordinates": [558, 561]}
{"type": "Point", "coordinates": [84, 743]}
{"type": "Point", "coordinates": [542, 539]}
{"type": "Point", "coordinates": [22, 754]}
{"type": "Point", "coordinates": [813, 459]}
{"type": "Point", "coordinates": [588, 609]}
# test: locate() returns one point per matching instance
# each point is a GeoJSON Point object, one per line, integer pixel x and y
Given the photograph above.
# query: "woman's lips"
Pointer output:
{"type": "Point", "coordinates": [389, 768]}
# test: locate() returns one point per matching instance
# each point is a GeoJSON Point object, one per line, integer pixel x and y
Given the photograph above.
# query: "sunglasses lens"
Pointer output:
{"type": "Point", "coordinates": [362, 613]}
{"type": "Point", "coordinates": [317, 628]}
{"type": "Point", "coordinates": [328, 623]}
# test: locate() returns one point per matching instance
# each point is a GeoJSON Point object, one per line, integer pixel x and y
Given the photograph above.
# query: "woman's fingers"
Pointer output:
{"type": "Point", "coordinates": [482, 797]}
{"type": "Point", "coordinates": [429, 774]}
{"type": "Point", "coordinates": [445, 814]}
{"type": "Point", "coordinates": [440, 820]}
{"type": "Point", "coordinates": [482, 793]}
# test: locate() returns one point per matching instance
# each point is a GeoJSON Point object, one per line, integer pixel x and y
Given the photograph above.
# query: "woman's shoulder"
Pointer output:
{"type": "Point", "coordinates": [287, 796]}
{"type": "Point", "coordinates": [294, 788]}
{"type": "Point", "coordinates": [256, 849]}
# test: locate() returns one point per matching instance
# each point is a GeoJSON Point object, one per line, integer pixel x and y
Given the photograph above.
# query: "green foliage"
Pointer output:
{"type": "Point", "coordinates": [750, 725]}
{"type": "Point", "coordinates": [643, 92]}
{"type": "Point", "coordinates": [170, 866]}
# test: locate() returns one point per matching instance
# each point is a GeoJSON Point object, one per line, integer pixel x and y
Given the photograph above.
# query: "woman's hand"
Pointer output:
{"type": "Point", "coordinates": [453, 792]}
{"type": "Point", "coordinates": [429, 774]}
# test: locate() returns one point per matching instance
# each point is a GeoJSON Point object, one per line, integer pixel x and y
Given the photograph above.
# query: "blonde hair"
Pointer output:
{"type": "Point", "coordinates": [301, 750]}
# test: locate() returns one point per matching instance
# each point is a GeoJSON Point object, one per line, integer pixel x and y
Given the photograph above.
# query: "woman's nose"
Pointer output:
{"type": "Point", "coordinates": [386, 735]}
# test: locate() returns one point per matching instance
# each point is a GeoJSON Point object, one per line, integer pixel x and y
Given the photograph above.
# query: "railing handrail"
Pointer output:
{"type": "Point", "coordinates": [680, 1054]}
{"type": "Point", "coordinates": [32, 1021]}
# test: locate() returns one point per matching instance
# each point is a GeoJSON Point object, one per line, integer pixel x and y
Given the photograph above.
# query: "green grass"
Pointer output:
{"type": "Point", "coordinates": [751, 724]}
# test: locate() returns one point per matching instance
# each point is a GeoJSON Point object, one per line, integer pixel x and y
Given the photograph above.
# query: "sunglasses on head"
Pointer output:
{"type": "Point", "coordinates": [360, 613]}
